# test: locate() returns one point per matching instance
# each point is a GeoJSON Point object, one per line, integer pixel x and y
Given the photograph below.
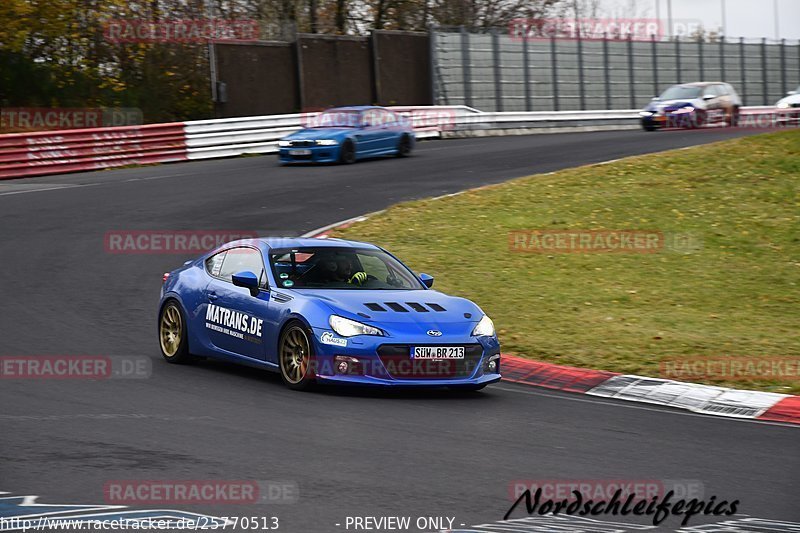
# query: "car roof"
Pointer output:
{"type": "Point", "coordinates": [310, 242]}
{"type": "Point", "coordinates": [700, 83]}
{"type": "Point", "coordinates": [354, 108]}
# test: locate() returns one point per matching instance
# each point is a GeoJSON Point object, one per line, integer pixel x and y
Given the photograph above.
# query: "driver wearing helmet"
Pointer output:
{"type": "Point", "coordinates": [342, 269]}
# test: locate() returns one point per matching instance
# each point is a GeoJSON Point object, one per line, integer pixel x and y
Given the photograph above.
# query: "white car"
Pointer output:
{"type": "Point", "coordinates": [788, 108]}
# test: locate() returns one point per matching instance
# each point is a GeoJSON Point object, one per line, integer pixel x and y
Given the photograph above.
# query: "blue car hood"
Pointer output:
{"type": "Point", "coordinates": [318, 133]}
{"type": "Point", "coordinates": [352, 304]}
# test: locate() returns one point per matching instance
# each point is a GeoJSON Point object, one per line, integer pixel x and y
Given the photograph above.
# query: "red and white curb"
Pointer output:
{"type": "Point", "coordinates": [705, 399]}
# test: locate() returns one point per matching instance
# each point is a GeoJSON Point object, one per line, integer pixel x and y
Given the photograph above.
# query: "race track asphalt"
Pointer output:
{"type": "Point", "coordinates": [352, 453]}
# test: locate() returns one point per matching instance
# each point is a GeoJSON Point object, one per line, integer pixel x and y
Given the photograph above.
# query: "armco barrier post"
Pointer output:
{"type": "Point", "coordinates": [581, 81]}
{"type": "Point", "coordinates": [764, 71]}
{"type": "Point", "coordinates": [700, 59]}
{"type": "Point", "coordinates": [433, 59]}
{"type": "Point", "coordinates": [678, 59]}
{"type": "Point", "coordinates": [783, 67]}
{"type": "Point", "coordinates": [743, 70]}
{"type": "Point", "coordinates": [722, 57]}
{"type": "Point", "coordinates": [526, 74]}
{"type": "Point", "coordinates": [554, 66]}
{"type": "Point", "coordinates": [465, 67]}
{"type": "Point", "coordinates": [654, 57]}
{"type": "Point", "coordinates": [497, 70]}
{"type": "Point", "coordinates": [631, 81]}
{"type": "Point", "coordinates": [606, 73]}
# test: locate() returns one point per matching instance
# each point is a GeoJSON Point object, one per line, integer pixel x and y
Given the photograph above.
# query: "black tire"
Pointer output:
{"type": "Point", "coordinates": [649, 127]}
{"type": "Point", "coordinates": [172, 333]}
{"type": "Point", "coordinates": [295, 348]}
{"type": "Point", "coordinates": [733, 118]}
{"type": "Point", "coordinates": [698, 119]}
{"type": "Point", "coordinates": [347, 153]}
{"type": "Point", "coordinates": [404, 147]}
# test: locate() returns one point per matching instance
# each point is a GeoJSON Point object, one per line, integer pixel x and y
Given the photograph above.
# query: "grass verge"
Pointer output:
{"type": "Point", "coordinates": [728, 286]}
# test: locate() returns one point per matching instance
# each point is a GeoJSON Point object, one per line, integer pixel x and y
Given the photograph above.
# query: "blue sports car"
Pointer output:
{"type": "Point", "coordinates": [325, 311]}
{"type": "Point", "coordinates": [347, 134]}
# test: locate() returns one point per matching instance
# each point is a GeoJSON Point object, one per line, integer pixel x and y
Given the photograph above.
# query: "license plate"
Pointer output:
{"type": "Point", "coordinates": [437, 352]}
{"type": "Point", "coordinates": [299, 152]}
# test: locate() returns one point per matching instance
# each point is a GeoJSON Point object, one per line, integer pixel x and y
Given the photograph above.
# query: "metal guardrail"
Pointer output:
{"type": "Point", "coordinates": [55, 152]}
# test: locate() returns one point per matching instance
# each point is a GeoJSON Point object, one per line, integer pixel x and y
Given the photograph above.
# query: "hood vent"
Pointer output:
{"type": "Point", "coordinates": [394, 306]}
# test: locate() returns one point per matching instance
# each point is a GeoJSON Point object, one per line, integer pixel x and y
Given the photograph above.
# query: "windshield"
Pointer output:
{"type": "Point", "coordinates": [337, 119]}
{"type": "Point", "coordinates": [678, 92]}
{"type": "Point", "coordinates": [340, 268]}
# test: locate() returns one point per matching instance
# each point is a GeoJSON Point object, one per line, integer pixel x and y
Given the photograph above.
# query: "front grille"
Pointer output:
{"type": "Point", "coordinates": [399, 364]}
{"type": "Point", "coordinates": [302, 144]}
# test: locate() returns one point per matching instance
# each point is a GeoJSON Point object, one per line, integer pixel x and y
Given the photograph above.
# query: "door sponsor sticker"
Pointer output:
{"type": "Point", "coordinates": [234, 323]}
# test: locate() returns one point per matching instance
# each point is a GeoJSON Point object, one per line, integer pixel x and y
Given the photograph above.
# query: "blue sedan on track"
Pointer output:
{"type": "Point", "coordinates": [325, 311]}
{"type": "Point", "coordinates": [347, 134]}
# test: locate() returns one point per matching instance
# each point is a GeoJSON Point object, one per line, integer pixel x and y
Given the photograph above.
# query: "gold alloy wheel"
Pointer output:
{"type": "Point", "coordinates": [295, 355]}
{"type": "Point", "coordinates": [170, 330]}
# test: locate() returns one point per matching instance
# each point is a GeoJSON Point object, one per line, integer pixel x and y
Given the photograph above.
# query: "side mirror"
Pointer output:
{"type": "Point", "coordinates": [708, 97]}
{"type": "Point", "coordinates": [654, 99]}
{"type": "Point", "coordinates": [790, 93]}
{"type": "Point", "coordinates": [246, 279]}
{"type": "Point", "coordinates": [426, 280]}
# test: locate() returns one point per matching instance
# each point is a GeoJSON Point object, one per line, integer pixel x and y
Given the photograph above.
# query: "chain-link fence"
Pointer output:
{"type": "Point", "coordinates": [494, 71]}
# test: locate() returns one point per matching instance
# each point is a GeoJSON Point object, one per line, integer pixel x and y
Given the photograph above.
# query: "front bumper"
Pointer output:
{"type": "Point", "coordinates": [386, 361]}
{"type": "Point", "coordinates": [315, 154]}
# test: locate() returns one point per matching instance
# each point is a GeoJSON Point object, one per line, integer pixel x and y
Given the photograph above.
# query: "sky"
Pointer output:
{"type": "Point", "coordinates": [743, 18]}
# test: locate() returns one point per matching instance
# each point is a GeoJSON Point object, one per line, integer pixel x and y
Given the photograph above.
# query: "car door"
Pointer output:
{"type": "Point", "coordinates": [714, 104]}
{"type": "Point", "coordinates": [390, 131]}
{"type": "Point", "coordinates": [369, 136]}
{"type": "Point", "coordinates": [235, 319]}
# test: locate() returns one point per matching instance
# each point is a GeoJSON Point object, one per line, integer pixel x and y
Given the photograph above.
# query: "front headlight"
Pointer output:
{"type": "Point", "coordinates": [484, 328]}
{"type": "Point", "coordinates": [349, 328]}
{"type": "Point", "coordinates": [783, 105]}
{"type": "Point", "coordinates": [645, 114]}
{"type": "Point", "coordinates": [284, 144]}
{"type": "Point", "coordinates": [327, 142]}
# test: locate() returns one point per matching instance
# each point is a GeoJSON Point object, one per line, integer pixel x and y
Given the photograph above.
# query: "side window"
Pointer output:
{"type": "Point", "coordinates": [241, 259]}
{"type": "Point", "coordinates": [710, 91]}
{"type": "Point", "coordinates": [721, 90]}
{"type": "Point", "coordinates": [369, 118]}
{"type": "Point", "coordinates": [388, 118]}
{"type": "Point", "coordinates": [214, 264]}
